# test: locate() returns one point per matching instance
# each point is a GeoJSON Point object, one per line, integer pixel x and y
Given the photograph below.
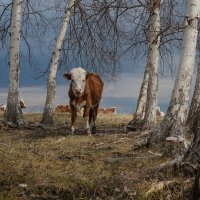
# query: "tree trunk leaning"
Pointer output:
{"type": "Point", "coordinates": [51, 86]}
{"type": "Point", "coordinates": [153, 62]}
{"type": "Point", "coordinates": [145, 115]}
{"type": "Point", "coordinates": [135, 123]}
{"type": "Point", "coordinates": [141, 104]}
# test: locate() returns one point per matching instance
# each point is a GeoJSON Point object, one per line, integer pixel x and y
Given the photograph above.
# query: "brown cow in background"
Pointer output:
{"type": "Point", "coordinates": [107, 111]}
{"type": "Point", "coordinates": [63, 109]}
{"type": "Point", "coordinates": [66, 109]}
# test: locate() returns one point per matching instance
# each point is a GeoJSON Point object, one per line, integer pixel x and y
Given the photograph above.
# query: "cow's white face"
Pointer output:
{"type": "Point", "coordinates": [78, 78]}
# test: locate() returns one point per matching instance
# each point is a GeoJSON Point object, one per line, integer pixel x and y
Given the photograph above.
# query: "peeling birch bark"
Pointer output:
{"type": "Point", "coordinates": [141, 104]}
{"type": "Point", "coordinates": [135, 123]}
{"type": "Point", "coordinates": [173, 124]}
{"type": "Point", "coordinates": [13, 113]}
{"type": "Point", "coordinates": [192, 116]}
{"type": "Point", "coordinates": [192, 156]}
{"type": "Point", "coordinates": [191, 160]}
{"type": "Point", "coordinates": [153, 62]}
{"type": "Point", "coordinates": [51, 86]}
{"type": "Point", "coordinates": [145, 115]}
{"type": "Point", "coordinates": [174, 120]}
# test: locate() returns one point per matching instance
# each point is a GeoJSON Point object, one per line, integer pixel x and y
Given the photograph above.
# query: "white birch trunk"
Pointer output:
{"type": "Point", "coordinates": [175, 118]}
{"type": "Point", "coordinates": [153, 62]}
{"type": "Point", "coordinates": [141, 104]}
{"type": "Point", "coordinates": [137, 120]}
{"type": "Point", "coordinates": [51, 86]}
{"type": "Point", "coordinates": [192, 116]}
{"type": "Point", "coordinates": [13, 111]}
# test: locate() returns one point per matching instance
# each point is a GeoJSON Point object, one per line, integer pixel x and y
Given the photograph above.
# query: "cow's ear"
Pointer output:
{"type": "Point", "coordinates": [87, 75]}
{"type": "Point", "coordinates": [67, 76]}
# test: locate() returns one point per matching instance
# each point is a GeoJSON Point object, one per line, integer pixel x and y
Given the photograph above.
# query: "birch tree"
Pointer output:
{"type": "Point", "coordinates": [136, 122]}
{"type": "Point", "coordinates": [13, 111]}
{"type": "Point", "coordinates": [51, 86]}
{"type": "Point", "coordinates": [169, 39]}
{"type": "Point", "coordinates": [152, 64]}
{"type": "Point", "coordinates": [172, 126]}
{"type": "Point", "coordinates": [146, 110]}
{"type": "Point", "coordinates": [192, 116]}
{"type": "Point", "coordinates": [191, 159]}
{"type": "Point", "coordinates": [192, 156]}
{"type": "Point", "coordinates": [141, 104]}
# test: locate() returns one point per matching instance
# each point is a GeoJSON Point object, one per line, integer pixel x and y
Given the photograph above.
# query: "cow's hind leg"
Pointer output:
{"type": "Point", "coordinates": [91, 122]}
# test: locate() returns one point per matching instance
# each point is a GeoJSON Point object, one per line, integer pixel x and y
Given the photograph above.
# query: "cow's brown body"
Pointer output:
{"type": "Point", "coordinates": [89, 100]}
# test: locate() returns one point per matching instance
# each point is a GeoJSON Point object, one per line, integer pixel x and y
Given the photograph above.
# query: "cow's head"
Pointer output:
{"type": "Point", "coordinates": [78, 77]}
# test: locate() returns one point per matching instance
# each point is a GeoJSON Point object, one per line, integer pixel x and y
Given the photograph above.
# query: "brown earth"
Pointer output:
{"type": "Point", "coordinates": [49, 163]}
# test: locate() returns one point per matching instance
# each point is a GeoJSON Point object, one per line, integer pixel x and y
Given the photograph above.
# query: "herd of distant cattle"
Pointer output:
{"type": "Point", "coordinates": [106, 110]}
{"type": "Point", "coordinates": [85, 93]}
{"type": "Point", "coordinates": [65, 108]}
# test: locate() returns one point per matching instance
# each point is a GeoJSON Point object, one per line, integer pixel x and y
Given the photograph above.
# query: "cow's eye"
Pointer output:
{"type": "Point", "coordinates": [83, 81]}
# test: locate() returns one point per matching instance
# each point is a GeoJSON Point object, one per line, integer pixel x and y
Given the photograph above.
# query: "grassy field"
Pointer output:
{"type": "Point", "coordinates": [44, 164]}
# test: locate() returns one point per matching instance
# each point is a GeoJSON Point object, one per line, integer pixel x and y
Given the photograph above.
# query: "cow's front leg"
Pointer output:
{"type": "Point", "coordinates": [87, 126]}
{"type": "Point", "coordinates": [86, 118]}
{"type": "Point", "coordinates": [73, 119]}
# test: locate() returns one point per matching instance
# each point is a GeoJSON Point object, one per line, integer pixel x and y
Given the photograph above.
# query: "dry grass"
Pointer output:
{"type": "Point", "coordinates": [43, 165]}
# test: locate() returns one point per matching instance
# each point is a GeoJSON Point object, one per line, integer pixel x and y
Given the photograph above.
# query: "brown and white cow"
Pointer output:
{"type": "Point", "coordinates": [21, 104]}
{"type": "Point", "coordinates": [107, 111]}
{"type": "Point", "coordinates": [85, 92]}
{"type": "Point", "coordinates": [63, 108]}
